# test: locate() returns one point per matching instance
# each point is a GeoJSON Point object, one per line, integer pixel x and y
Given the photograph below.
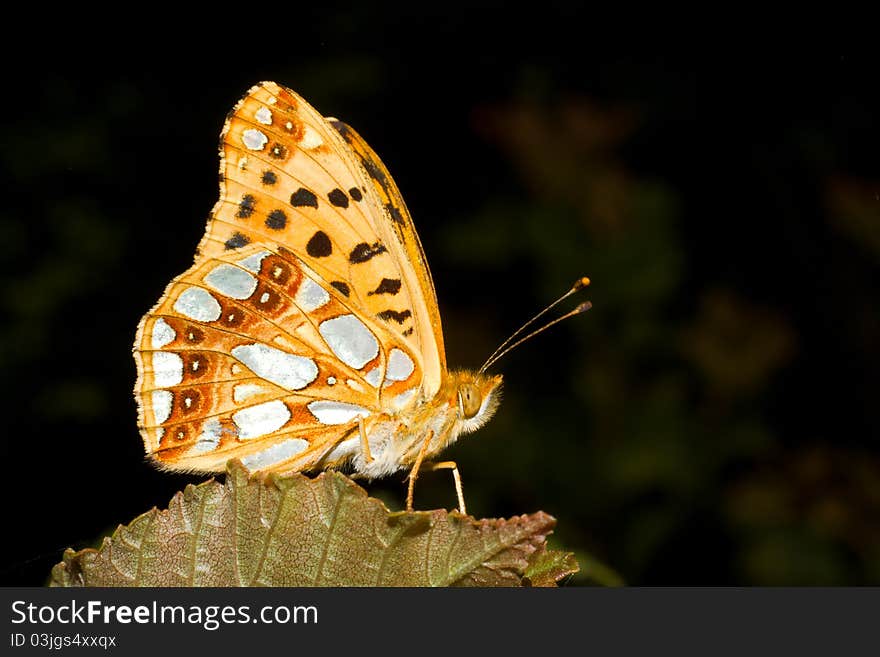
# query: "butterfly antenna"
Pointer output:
{"type": "Point", "coordinates": [506, 346]}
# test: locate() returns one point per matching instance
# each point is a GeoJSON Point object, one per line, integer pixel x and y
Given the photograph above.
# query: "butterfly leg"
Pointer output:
{"type": "Point", "coordinates": [365, 444]}
{"type": "Point", "coordinates": [414, 473]}
{"type": "Point", "coordinates": [450, 465]}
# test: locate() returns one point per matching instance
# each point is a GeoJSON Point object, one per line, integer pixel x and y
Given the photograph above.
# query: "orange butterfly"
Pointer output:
{"type": "Point", "coordinates": [306, 335]}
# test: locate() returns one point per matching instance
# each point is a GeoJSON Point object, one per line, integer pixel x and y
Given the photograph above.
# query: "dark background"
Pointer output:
{"type": "Point", "coordinates": [711, 421]}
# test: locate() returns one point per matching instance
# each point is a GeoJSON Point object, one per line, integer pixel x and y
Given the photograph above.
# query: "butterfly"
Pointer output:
{"type": "Point", "coordinates": [306, 335]}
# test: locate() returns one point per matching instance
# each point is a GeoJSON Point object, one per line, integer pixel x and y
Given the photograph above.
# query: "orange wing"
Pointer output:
{"type": "Point", "coordinates": [398, 231]}
{"type": "Point", "coordinates": [310, 307]}
{"type": "Point", "coordinates": [288, 177]}
{"type": "Point", "coordinates": [251, 354]}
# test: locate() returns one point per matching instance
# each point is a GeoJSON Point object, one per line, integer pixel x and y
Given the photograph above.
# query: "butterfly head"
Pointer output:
{"type": "Point", "coordinates": [476, 396]}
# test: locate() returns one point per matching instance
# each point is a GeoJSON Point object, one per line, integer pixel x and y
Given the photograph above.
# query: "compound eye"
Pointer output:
{"type": "Point", "coordinates": [469, 400]}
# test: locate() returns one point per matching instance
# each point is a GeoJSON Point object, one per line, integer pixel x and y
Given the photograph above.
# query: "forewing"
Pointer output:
{"type": "Point", "coordinates": [397, 230]}
{"type": "Point", "coordinates": [289, 178]}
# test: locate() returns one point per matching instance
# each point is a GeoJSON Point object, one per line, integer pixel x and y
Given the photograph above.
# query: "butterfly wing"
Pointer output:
{"type": "Point", "coordinates": [289, 176]}
{"type": "Point", "coordinates": [399, 233]}
{"type": "Point", "coordinates": [302, 316]}
{"type": "Point", "coordinates": [252, 354]}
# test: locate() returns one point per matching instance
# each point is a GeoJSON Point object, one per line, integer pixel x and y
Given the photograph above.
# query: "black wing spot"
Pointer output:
{"type": "Point", "coordinates": [276, 220]}
{"type": "Point", "coordinates": [398, 317]}
{"type": "Point", "coordinates": [342, 287]}
{"type": "Point", "coordinates": [355, 194]}
{"type": "Point", "coordinates": [319, 246]}
{"type": "Point", "coordinates": [375, 172]}
{"type": "Point", "coordinates": [302, 198]}
{"type": "Point", "coordinates": [408, 331]}
{"type": "Point", "coordinates": [363, 252]}
{"type": "Point", "coordinates": [246, 207]}
{"type": "Point", "coordinates": [394, 212]}
{"type": "Point", "coordinates": [269, 178]}
{"type": "Point", "coordinates": [237, 241]}
{"type": "Point", "coordinates": [341, 128]}
{"type": "Point", "coordinates": [338, 198]}
{"type": "Point", "coordinates": [387, 286]}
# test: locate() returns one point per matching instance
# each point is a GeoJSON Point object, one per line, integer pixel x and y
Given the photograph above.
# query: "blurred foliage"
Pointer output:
{"type": "Point", "coordinates": [854, 208]}
{"type": "Point", "coordinates": [712, 420]}
{"type": "Point", "coordinates": [802, 517]}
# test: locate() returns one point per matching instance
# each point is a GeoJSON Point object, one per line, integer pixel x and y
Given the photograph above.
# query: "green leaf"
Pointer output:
{"type": "Point", "coordinates": [547, 567]}
{"type": "Point", "coordinates": [299, 531]}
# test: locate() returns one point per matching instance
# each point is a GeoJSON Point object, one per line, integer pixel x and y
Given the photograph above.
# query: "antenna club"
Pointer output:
{"type": "Point", "coordinates": [580, 284]}
{"type": "Point", "coordinates": [509, 343]}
